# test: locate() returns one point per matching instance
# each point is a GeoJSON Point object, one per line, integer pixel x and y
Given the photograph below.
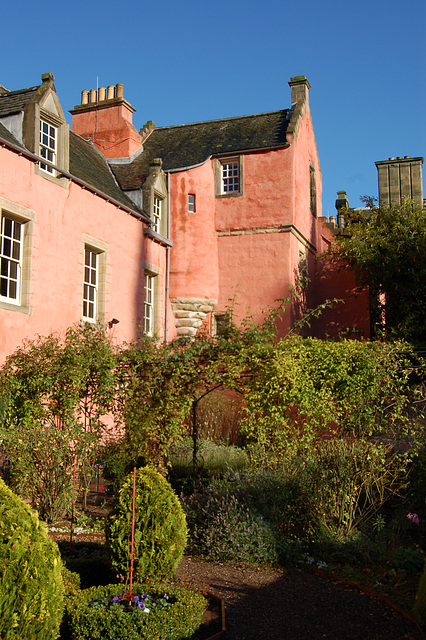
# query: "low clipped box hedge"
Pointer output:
{"type": "Point", "coordinates": [160, 528]}
{"type": "Point", "coordinates": [91, 615]}
{"type": "Point", "coordinates": [31, 587]}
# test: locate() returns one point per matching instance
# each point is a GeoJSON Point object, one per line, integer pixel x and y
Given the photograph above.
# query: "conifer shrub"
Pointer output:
{"type": "Point", "coordinates": [160, 528]}
{"type": "Point", "coordinates": [31, 588]}
{"type": "Point", "coordinates": [157, 613]}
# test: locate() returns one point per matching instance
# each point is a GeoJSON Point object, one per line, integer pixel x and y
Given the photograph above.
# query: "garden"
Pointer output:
{"type": "Point", "coordinates": [292, 454]}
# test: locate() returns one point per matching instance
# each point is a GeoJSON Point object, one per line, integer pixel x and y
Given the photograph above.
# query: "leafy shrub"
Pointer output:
{"type": "Point", "coordinates": [87, 618]}
{"type": "Point", "coordinates": [346, 482]}
{"type": "Point", "coordinates": [225, 521]}
{"type": "Point", "coordinates": [160, 527]}
{"type": "Point", "coordinates": [31, 592]}
{"type": "Point", "coordinates": [71, 581]}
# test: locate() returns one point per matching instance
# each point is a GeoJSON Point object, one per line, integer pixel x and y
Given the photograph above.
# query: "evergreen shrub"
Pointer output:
{"type": "Point", "coordinates": [31, 588]}
{"type": "Point", "coordinates": [92, 615]}
{"type": "Point", "coordinates": [160, 527]}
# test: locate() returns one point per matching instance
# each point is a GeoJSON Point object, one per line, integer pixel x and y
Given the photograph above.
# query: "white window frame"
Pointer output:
{"type": "Point", "coordinates": [48, 137]}
{"type": "Point", "coordinates": [11, 255]}
{"type": "Point", "coordinates": [90, 284]}
{"type": "Point", "coordinates": [230, 176]}
{"type": "Point", "coordinates": [156, 213]}
{"type": "Point", "coordinates": [148, 305]}
{"type": "Point", "coordinates": [191, 202]}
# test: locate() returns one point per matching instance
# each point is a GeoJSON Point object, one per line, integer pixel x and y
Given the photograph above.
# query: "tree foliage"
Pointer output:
{"type": "Point", "coordinates": [55, 395]}
{"type": "Point", "coordinates": [386, 247]}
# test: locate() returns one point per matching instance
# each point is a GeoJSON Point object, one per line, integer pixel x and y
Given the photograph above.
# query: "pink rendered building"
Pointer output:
{"type": "Point", "coordinates": [158, 229]}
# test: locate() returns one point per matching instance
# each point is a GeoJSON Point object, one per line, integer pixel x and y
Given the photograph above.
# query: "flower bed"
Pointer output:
{"type": "Point", "coordinates": [155, 612]}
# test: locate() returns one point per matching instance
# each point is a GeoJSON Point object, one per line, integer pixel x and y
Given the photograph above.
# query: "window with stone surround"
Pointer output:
{"type": "Point", "coordinates": [94, 280]}
{"type": "Point", "coordinates": [48, 141]}
{"type": "Point", "coordinates": [229, 177]}
{"type": "Point", "coordinates": [156, 214]}
{"type": "Point", "coordinates": [16, 226]}
{"type": "Point", "coordinates": [148, 306]}
{"type": "Point", "coordinates": [11, 250]}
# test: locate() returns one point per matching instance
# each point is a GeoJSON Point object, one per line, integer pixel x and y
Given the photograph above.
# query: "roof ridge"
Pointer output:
{"type": "Point", "coordinates": [252, 115]}
{"type": "Point", "coordinates": [16, 91]}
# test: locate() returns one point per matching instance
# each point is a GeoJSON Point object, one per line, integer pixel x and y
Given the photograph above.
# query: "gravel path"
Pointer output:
{"type": "Point", "coordinates": [276, 604]}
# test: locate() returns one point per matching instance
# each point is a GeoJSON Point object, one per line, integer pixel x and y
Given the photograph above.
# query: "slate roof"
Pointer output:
{"type": "Point", "coordinates": [187, 145]}
{"type": "Point", "coordinates": [14, 101]}
{"type": "Point", "coordinates": [88, 164]}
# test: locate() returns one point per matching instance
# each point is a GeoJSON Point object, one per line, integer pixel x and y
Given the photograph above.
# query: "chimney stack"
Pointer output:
{"type": "Point", "coordinates": [299, 89]}
{"type": "Point", "coordinates": [398, 178]}
{"type": "Point", "coordinates": [105, 118]}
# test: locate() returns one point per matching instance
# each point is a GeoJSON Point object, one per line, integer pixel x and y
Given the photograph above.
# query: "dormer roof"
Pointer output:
{"type": "Point", "coordinates": [12, 102]}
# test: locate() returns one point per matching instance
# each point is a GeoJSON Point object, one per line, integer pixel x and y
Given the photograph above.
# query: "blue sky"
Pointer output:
{"type": "Point", "coordinates": [185, 61]}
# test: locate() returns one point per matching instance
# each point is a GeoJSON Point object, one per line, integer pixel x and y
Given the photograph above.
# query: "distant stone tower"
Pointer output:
{"type": "Point", "coordinates": [399, 178]}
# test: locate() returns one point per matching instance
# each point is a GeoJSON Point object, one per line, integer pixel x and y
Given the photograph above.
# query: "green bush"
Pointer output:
{"type": "Point", "coordinates": [71, 582]}
{"type": "Point", "coordinates": [160, 527]}
{"type": "Point", "coordinates": [31, 588]}
{"type": "Point", "coordinates": [419, 609]}
{"type": "Point", "coordinates": [92, 615]}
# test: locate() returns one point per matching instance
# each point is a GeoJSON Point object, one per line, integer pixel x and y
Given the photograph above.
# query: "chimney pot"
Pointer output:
{"type": "Point", "coordinates": [110, 92]}
{"type": "Point", "coordinates": [101, 94]}
{"type": "Point", "coordinates": [93, 95]}
{"type": "Point", "coordinates": [84, 97]}
{"type": "Point", "coordinates": [119, 90]}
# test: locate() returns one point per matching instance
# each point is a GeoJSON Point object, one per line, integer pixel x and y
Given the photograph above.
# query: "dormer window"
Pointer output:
{"type": "Point", "coordinates": [48, 136]}
{"type": "Point", "coordinates": [156, 215]}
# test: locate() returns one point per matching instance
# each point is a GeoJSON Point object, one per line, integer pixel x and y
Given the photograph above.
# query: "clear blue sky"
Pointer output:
{"type": "Point", "coordinates": [190, 60]}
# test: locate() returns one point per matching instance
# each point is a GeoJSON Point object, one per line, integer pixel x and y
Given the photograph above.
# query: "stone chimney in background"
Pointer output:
{"type": "Point", "coordinates": [105, 118]}
{"type": "Point", "coordinates": [299, 89]}
{"type": "Point", "coordinates": [398, 178]}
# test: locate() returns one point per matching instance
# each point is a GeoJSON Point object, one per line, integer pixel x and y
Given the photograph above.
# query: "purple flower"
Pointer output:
{"type": "Point", "coordinates": [144, 595]}
{"type": "Point", "coordinates": [116, 599]}
{"type": "Point", "coordinates": [141, 604]}
{"type": "Point", "coordinates": [166, 597]}
{"type": "Point", "coordinates": [414, 518]}
{"type": "Point", "coordinates": [136, 599]}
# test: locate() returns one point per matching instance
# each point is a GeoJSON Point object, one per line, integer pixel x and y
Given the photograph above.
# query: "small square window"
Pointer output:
{"type": "Point", "coordinates": [191, 203]}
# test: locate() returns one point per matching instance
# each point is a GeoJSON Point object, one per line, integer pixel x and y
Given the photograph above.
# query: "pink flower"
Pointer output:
{"type": "Point", "coordinates": [414, 518]}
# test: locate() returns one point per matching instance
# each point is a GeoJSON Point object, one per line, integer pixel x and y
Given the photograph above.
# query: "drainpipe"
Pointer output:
{"type": "Point", "coordinates": [166, 315]}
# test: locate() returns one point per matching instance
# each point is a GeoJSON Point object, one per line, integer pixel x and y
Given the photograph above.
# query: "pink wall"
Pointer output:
{"type": "Point", "coordinates": [194, 268]}
{"type": "Point", "coordinates": [62, 216]}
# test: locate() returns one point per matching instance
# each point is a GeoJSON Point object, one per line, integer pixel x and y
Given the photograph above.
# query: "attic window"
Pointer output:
{"type": "Point", "coordinates": [47, 145]}
{"type": "Point", "coordinates": [156, 214]}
